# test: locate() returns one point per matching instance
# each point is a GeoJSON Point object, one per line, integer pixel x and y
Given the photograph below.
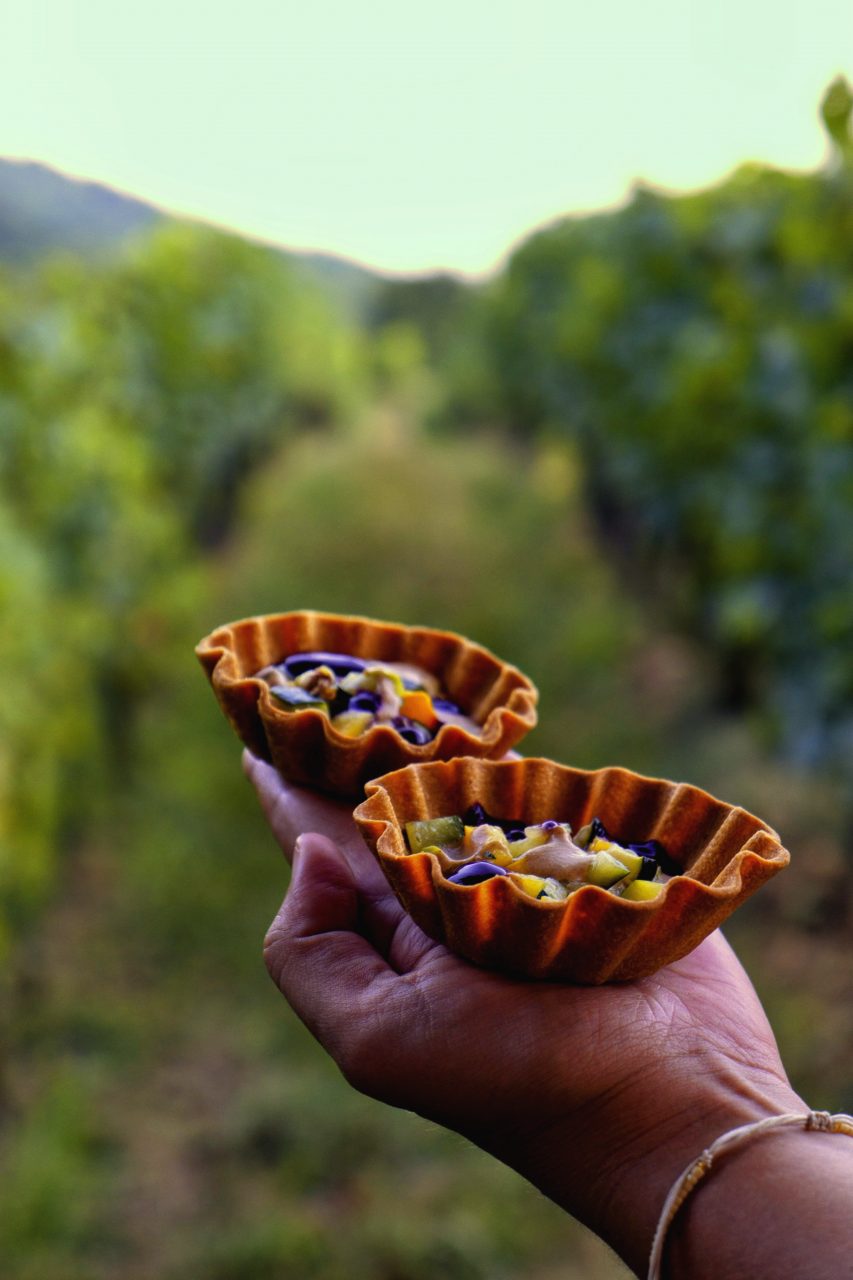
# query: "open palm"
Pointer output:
{"type": "Point", "coordinates": [602, 1076]}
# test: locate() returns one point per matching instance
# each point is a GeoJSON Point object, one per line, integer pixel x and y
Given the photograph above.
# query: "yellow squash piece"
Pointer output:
{"type": "Point", "coordinates": [642, 890]}
{"type": "Point", "coordinates": [530, 884]}
{"type": "Point", "coordinates": [518, 848]}
{"type": "Point", "coordinates": [352, 723]}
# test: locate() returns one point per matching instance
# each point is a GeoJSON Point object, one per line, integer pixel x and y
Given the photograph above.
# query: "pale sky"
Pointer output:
{"type": "Point", "coordinates": [410, 136]}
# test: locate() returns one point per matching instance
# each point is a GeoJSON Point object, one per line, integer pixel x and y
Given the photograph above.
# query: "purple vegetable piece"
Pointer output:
{"type": "Point", "coordinates": [412, 730]}
{"type": "Point", "coordinates": [476, 873]}
{"type": "Point", "coordinates": [510, 824]}
{"type": "Point", "coordinates": [445, 704]}
{"type": "Point", "coordinates": [341, 663]}
{"type": "Point", "coordinates": [294, 698]}
{"type": "Point", "coordinates": [364, 700]}
{"type": "Point", "coordinates": [475, 816]}
{"type": "Point", "coordinates": [519, 833]}
{"type": "Point", "coordinates": [599, 831]}
{"type": "Point", "coordinates": [653, 851]}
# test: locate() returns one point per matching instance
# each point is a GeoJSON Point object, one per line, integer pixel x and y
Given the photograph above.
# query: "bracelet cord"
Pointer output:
{"type": "Point", "coordinates": [819, 1121]}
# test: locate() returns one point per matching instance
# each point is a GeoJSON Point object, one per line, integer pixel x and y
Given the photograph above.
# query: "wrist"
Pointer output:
{"type": "Point", "coordinates": [778, 1203]}
{"type": "Point", "coordinates": [612, 1166]}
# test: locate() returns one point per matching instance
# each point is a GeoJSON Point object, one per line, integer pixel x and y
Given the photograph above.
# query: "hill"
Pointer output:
{"type": "Point", "coordinates": [43, 210]}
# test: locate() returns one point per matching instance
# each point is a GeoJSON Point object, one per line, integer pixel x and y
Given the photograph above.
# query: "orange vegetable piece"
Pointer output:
{"type": "Point", "coordinates": [417, 705]}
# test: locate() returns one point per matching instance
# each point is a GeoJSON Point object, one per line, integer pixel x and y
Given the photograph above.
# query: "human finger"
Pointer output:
{"type": "Point", "coordinates": [291, 810]}
{"type": "Point", "coordinates": [331, 975]}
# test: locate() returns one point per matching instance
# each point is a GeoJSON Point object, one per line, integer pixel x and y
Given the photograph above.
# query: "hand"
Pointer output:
{"type": "Point", "coordinates": [600, 1096]}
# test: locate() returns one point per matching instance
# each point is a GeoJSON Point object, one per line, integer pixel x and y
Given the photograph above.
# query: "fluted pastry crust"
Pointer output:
{"type": "Point", "coordinates": [304, 746]}
{"type": "Point", "coordinates": [593, 936]}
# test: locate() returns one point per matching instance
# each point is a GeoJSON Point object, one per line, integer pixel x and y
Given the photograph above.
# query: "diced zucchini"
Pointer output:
{"type": "Point", "coordinates": [605, 870]}
{"type": "Point", "coordinates": [440, 831]}
{"type": "Point", "coordinates": [582, 837]}
{"type": "Point", "coordinates": [632, 861]}
{"type": "Point", "coordinates": [292, 698]}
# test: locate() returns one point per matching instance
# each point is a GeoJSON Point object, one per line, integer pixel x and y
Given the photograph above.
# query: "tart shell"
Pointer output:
{"type": "Point", "coordinates": [593, 936]}
{"type": "Point", "coordinates": [304, 746]}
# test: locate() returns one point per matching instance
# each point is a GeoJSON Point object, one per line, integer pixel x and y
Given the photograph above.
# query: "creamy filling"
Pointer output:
{"type": "Point", "coordinates": [358, 693]}
{"type": "Point", "coordinates": [546, 860]}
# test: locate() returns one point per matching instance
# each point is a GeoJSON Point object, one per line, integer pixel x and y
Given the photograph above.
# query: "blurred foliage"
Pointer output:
{"type": "Point", "coordinates": [641, 430]}
{"type": "Point", "coordinates": [195, 1126]}
{"type": "Point", "coordinates": [698, 351]}
{"type": "Point", "coordinates": [450, 321]}
{"type": "Point", "coordinates": [135, 397]}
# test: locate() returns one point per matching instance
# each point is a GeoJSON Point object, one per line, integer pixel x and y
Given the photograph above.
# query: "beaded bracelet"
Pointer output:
{"type": "Point", "coordinates": [728, 1142]}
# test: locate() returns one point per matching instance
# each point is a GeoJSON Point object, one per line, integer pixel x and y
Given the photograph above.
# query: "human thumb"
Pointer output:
{"type": "Point", "coordinates": [320, 962]}
{"type": "Point", "coordinates": [321, 896]}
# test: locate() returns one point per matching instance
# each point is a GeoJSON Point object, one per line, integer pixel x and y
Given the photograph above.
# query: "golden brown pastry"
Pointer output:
{"type": "Point", "coordinates": [723, 854]}
{"type": "Point", "coordinates": [308, 747]}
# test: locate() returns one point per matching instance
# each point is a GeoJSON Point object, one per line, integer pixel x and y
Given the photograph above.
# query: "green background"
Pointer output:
{"type": "Point", "coordinates": [625, 464]}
